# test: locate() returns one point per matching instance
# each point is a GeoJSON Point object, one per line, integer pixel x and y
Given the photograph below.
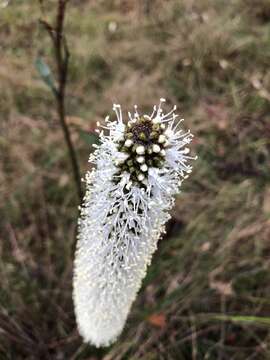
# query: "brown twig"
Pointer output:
{"type": "Point", "coordinates": [62, 56]}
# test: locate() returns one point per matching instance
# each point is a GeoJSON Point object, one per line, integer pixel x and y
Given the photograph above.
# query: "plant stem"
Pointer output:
{"type": "Point", "coordinates": [62, 56]}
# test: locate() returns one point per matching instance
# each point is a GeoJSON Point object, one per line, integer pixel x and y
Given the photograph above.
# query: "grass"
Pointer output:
{"type": "Point", "coordinates": [206, 295]}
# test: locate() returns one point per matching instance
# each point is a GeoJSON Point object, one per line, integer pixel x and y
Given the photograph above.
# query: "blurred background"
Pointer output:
{"type": "Point", "coordinates": [206, 295]}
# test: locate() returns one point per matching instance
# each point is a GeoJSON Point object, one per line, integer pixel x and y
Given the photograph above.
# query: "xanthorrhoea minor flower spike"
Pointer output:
{"type": "Point", "coordinates": [139, 167]}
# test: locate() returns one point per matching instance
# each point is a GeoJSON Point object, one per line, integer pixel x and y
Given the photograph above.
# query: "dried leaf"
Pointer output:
{"type": "Point", "coordinates": [223, 288]}
{"type": "Point", "coordinates": [266, 201]}
{"type": "Point", "coordinates": [205, 246]}
{"type": "Point", "coordinates": [158, 320]}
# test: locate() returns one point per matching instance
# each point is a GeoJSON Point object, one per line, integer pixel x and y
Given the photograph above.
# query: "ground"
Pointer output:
{"type": "Point", "coordinates": [206, 295]}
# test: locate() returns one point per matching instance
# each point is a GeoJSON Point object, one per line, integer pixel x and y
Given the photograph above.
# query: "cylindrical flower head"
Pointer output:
{"type": "Point", "coordinates": [124, 213]}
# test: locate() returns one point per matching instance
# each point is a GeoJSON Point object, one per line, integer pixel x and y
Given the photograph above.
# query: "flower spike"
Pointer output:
{"type": "Point", "coordinates": [139, 166]}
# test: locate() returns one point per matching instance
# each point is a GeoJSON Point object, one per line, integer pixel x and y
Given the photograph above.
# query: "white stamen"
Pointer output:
{"type": "Point", "coordinates": [168, 132]}
{"type": "Point", "coordinates": [185, 151]}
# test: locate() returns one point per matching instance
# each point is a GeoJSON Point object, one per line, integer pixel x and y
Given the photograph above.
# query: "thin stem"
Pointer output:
{"type": "Point", "coordinates": [71, 150]}
{"type": "Point", "coordinates": [62, 56]}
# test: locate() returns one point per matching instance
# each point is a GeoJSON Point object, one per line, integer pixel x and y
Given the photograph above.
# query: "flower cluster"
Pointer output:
{"type": "Point", "coordinates": [139, 167]}
{"type": "Point", "coordinates": [143, 144]}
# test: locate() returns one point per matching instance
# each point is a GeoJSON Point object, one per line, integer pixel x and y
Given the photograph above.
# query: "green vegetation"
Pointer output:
{"type": "Point", "coordinates": [206, 295]}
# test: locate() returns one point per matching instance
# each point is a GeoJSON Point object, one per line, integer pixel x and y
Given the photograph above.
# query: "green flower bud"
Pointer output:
{"type": "Point", "coordinates": [142, 136]}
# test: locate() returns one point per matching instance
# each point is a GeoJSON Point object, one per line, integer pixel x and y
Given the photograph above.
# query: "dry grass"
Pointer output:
{"type": "Point", "coordinates": [206, 295]}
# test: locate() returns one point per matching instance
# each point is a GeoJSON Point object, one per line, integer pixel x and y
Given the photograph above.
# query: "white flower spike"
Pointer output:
{"type": "Point", "coordinates": [124, 214]}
